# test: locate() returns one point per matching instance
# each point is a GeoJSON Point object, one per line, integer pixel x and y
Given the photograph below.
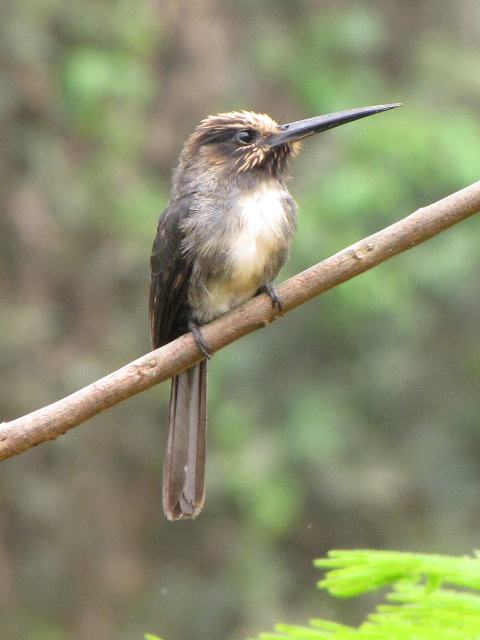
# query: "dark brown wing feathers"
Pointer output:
{"type": "Point", "coordinates": [169, 282]}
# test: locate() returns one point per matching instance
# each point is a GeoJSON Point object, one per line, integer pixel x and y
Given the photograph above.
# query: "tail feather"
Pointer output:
{"type": "Point", "coordinates": [184, 467]}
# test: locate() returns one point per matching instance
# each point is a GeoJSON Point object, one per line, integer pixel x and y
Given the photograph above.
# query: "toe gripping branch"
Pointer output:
{"type": "Point", "coordinates": [270, 290]}
{"type": "Point", "coordinates": [199, 339]}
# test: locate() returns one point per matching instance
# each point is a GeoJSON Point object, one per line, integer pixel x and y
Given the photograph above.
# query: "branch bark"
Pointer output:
{"type": "Point", "coordinates": [52, 421]}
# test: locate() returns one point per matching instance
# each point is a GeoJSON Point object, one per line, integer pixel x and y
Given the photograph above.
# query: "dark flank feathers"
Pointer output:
{"type": "Point", "coordinates": [170, 273]}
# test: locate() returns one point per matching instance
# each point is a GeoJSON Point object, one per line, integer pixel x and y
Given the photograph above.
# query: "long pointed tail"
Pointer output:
{"type": "Point", "coordinates": [184, 466]}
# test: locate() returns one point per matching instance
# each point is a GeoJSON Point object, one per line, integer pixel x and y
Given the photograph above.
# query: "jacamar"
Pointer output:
{"type": "Point", "coordinates": [222, 238]}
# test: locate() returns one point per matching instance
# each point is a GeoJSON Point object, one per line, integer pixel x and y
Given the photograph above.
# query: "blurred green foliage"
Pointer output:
{"type": "Point", "coordinates": [353, 422]}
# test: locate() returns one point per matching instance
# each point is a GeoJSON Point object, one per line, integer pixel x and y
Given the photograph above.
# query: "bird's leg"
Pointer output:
{"type": "Point", "coordinates": [199, 339]}
{"type": "Point", "coordinates": [270, 290]}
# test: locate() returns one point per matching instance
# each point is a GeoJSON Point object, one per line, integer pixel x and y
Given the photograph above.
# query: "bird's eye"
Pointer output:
{"type": "Point", "coordinates": [245, 136]}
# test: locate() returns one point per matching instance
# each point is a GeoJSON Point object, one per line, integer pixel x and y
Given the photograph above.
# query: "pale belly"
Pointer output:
{"type": "Point", "coordinates": [253, 254]}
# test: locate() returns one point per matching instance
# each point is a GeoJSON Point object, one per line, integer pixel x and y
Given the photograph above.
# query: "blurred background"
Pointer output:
{"type": "Point", "coordinates": [353, 422]}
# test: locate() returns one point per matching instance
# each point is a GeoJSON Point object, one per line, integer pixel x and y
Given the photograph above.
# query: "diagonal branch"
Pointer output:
{"type": "Point", "coordinates": [159, 365]}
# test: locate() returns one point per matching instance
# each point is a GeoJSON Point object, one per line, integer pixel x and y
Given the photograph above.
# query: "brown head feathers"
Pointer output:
{"type": "Point", "coordinates": [238, 140]}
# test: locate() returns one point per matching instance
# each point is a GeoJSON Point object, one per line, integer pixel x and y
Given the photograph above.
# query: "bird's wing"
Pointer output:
{"type": "Point", "coordinates": [170, 275]}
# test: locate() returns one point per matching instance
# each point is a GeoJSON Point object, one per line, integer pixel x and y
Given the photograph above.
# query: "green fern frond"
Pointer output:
{"type": "Point", "coordinates": [417, 607]}
{"type": "Point", "coordinates": [358, 571]}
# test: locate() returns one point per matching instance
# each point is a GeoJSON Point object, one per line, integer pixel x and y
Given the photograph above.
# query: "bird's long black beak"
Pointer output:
{"type": "Point", "coordinates": [303, 128]}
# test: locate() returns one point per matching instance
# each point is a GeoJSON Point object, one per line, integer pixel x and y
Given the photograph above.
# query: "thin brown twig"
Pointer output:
{"type": "Point", "coordinates": [52, 421]}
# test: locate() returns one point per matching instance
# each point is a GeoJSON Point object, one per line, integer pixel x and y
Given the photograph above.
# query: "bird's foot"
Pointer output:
{"type": "Point", "coordinates": [270, 290]}
{"type": "Point", "coordinates": [199, 339]}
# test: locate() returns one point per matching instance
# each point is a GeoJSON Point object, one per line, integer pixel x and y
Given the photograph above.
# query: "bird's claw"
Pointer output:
{"type": "Point", "coordinates": [199, 339]}
{"type": "Point", "coordinates": [270, 290]}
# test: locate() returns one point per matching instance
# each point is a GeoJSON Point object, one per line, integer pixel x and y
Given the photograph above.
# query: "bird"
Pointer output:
{"type": "Point", "coordinates": [222, 238]}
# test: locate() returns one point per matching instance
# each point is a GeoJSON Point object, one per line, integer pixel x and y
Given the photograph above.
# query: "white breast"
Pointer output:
{"type": "Point", "coordinates": [261, 216]}
{"type": "Point", "coordinates": [260, 230]}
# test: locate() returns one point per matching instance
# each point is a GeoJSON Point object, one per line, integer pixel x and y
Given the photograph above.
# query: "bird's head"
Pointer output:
{"type": "Point", "coordinates": [244, 141]}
